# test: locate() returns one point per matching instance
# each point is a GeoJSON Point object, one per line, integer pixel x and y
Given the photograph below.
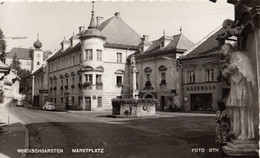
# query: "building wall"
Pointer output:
{"type": "Point", "coordinates": [37, 59]}
{"type": "Point", "coordinates": [202, 92]}
{"type": "Point", "coordinates": [64, 69]}
{"type": "Point", "coordinates": [166, 91]}
{"type": "Point", "coordinates": [24, 64]}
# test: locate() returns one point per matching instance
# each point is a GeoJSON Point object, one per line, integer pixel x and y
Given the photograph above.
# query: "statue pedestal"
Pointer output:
{"type": "Point", "coordinates": [241, 148]}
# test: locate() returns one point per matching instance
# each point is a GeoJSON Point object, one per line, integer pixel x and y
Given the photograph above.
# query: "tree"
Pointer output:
{"type": "Point", "coordinates": [16, 63]}
{"type": "Point", "coordinates": [2, 47]}
{"type": "Point", "coordinates": [23, 74]}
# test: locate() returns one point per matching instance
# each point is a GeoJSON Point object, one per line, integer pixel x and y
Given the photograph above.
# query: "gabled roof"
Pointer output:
{"type": "Point", "coordinates": [207, 46]}
{"type": "Point", "coordinates": [60, 53]}
{"type": "Point", "coordinates": [21, 53]}
{"type": "Point", "coordinates": [179, 43]}
{"type": "Point", "coordinates": [24, 53]}
{"type": "Point", "coordinates": [118, 32]}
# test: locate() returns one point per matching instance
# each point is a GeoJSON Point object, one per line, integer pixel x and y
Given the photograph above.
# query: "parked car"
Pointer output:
{"type": "Point", "coordinates": [20, 102]}
{"type": "Point", "coordinates": [48, 106]}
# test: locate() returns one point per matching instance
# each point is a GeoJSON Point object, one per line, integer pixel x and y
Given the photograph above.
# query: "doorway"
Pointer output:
{"type": "Point", "coordinates": [201, 102]}
{"type": "Point", "coordinates": [87, 103]}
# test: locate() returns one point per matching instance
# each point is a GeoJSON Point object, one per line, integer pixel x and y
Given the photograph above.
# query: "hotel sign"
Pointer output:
{"type": "Point", "coordinates": [200, 88]}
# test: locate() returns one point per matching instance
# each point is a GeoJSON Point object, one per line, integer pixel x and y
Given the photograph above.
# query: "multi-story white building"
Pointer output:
{"type": "Point", "coordinates": [87, 72]}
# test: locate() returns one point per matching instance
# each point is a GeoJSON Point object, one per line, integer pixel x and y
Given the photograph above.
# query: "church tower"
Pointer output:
{"type": "Point", "coordinates": [37, 56]}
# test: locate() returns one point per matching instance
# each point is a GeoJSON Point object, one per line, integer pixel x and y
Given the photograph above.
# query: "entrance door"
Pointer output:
{"type": "Point", "coordinates": [201, 102]}
{"type": "Point", "coordinates": [87, 103]}
{"type": "Point", "coordinates": [36, 101]}
{"type": "Point", "coordinates": [99, 101]}
{"type": "Point", "coordinates": [162, 102]}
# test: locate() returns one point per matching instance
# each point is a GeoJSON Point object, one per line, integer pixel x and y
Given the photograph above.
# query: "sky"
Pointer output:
{"type": "Point", "coordinates": [55, 21]}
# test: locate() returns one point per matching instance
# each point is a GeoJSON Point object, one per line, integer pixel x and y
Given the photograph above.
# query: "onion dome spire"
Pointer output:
{"type": "Point", "coordinates": [37, 44]}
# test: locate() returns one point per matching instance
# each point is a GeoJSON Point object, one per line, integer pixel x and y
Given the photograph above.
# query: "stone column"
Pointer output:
{"type": "Point", "coordinates": [134, 71]}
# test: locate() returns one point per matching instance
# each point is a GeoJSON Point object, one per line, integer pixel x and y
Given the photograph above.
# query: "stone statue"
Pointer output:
{"type": "Point", "coordinates": [231, 29]}
{"type": "Point", "coordinates": [133, 61]}
{"type": "Point", "coordinates": [242, 99]}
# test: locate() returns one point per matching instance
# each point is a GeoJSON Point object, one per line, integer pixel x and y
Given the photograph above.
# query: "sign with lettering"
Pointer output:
{"type": "Point", "coordinates": [43, 91]}
{"type": "Point", "coordinates": [198, 88]}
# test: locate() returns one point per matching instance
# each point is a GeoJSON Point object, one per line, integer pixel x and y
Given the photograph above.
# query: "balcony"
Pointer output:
{"type": "Point", "coordinates": [87, 85]}
{"type": "Point", "coordinates": [148, 86]}
{"type": "Point", "coordinates": [163, 84]}
{"type": "Point", "coordinates": [99, 85]}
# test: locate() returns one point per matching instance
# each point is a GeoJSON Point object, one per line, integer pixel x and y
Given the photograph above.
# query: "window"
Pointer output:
{"type": "Point", "coordinates": [67, 62]}
{"type": "Point", "coordinates": [72, 100]}
{"type": "Point", "coordinates": [55, 66]}
{"type": "Point", "coordinates": [38, 63]}
{"type": "Point", "coordinates": [41, 83]}
{"type": "Point", "coordinates": [99, 55]}
{"type": "Point", "coordinates": [89, 54]}
{"type": "Point", "coordinates": [99, 83]}
{"type": "Point", "coordinates": [99, 101]}
{"type": "Point", "coordinates": [61, 100]}
{"type": "Point", "coordinates": [67, 82]}
{"type": "Point", "coordinates": [209, 75]}
{"type": "Point", "coordinates": [73, 60]}
{"type": "Point", "coordinates": [88, 78]}
{"type": "Point", "coordinates": [148, 77]}
{"type": "Point", "coordinates": [163, 78]}
{"type": "Point", "coordinates": [191, 76]}
{"type": "Point", "coordinates": [73, 81]}
{"type": "Point", "coordinates": [98, 79]}
{"type": "Point", "coordinates": [79, 79]}
{"type": "Point", "coordinates": [119, 80]}
{"type": "Point", "coordinates": [119, 57]}
{"type": "Point", "coordinates": [79, 57]}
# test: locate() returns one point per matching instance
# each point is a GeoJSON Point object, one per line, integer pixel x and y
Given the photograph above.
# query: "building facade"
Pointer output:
{"type": "Point", "coordinates": [30, 59]}
{"type": "Point", "coordinates": [87, 72]}
{"type": "Point", "coordinates": [40, 86]}
{"type": "Point", "coordinates": [158, 72]}
{"type": "Point", "coordinates": [202, 83]}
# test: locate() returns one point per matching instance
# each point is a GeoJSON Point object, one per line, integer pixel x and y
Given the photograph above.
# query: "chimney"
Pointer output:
{"type": "Point", "coordinates": [117, 14]}
{"type": "Point", "coordinates": [81, 29]}
{"type": "Point", "coordinates": [145, 38]}
{"type": "Point", "coordinates": [145, 44]}
{"type": "Point", "coordinates": [65, 44]}
{"type": "Point", "coordinates": [99, 20]}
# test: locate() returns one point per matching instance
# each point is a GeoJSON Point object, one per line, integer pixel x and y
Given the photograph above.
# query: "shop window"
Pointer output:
{"type": "Point", "coordinates": [99, 101]}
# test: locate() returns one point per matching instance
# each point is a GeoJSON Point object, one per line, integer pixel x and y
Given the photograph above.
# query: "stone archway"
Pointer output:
{"type": "Point", "coordinates": [149, 95]}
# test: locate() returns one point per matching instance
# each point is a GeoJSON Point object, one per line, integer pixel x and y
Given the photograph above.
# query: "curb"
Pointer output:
{"type": "Point", "coordinates": [26, 141]}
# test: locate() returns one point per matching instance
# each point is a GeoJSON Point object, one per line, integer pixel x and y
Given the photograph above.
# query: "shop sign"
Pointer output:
{"type": "Point", "coordinates": [200, 88]}
{"type": "Point", "coordinates": [43, 91]}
